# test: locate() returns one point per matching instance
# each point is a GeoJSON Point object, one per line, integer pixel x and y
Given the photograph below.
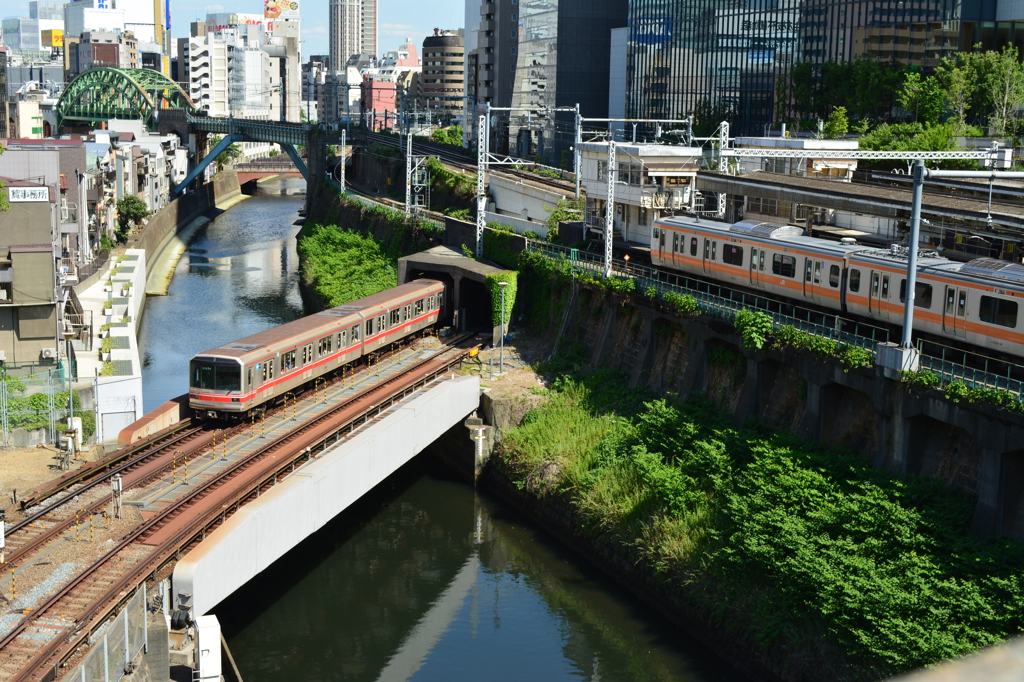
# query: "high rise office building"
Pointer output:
{"type": "Point", "coordinates": [734, 55]}
{"type": "Point", "coordinates": [353, 30]}
{"type": "Point", "coordinates": [562, 58]}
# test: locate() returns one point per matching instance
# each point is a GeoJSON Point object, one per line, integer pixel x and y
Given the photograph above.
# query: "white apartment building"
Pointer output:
{"type": "Point", "coordinates": [206, 67]}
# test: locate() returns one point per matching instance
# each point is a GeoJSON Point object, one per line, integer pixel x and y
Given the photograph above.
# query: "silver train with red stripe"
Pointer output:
{"type": "Point", "coordinates": [231, 380]}
{"type": "Point", "coordinates": [976, 303]}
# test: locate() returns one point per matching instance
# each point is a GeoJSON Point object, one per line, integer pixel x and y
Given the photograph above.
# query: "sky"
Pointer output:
{"type": "Point", "coordinates": [396, 19]}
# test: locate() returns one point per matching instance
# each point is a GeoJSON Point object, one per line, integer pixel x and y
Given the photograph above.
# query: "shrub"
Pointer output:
{"type": "Point", "coordinates": [680, 303]}
{"type": "Point", "coordinates": [754, 327]}
{"type": "Point", "coordinates": [924, 378]}
{"type": "Point", "coordinates": [956, 391]}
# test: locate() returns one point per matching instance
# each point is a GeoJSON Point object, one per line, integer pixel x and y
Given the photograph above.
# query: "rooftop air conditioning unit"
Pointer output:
{"type": "Point", "coordinates": [49, 354]}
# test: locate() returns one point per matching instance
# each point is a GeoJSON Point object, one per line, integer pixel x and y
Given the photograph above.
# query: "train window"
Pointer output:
{"type": "Point", "coordinates": [854, 280]}
{"type": "Point", "coordinates": [693, 246]}
{"type": "Point", "coordinates": [396, 317]}
{"type": "Point", "coordinates": [922, 294]}
{"type": "Point", "coordinates": [203, 375]}
{"type": "Point", "coordinates": [993, 310]}
{"type": "Point", "coordinates": [382, 322]}
{"type": "Point", "coordinates": [324, 346]}
{"type": "Point", "coordinates": [216, 377]}
{"type": "Point", "coordinates": [288, 361]}
{"type": "Point", "coordinates": [732, 254]}
{"type": "Point", "coordinates": [354, 336]}
{"type": "Point", "coordinates": [714, 250]}
{"type": "Point", "coordinates": [807, 270]}
{"type": "Point", "coordinates": [265, 370]}
{"type": "Point", "coordinates": [707, 249]}
{"type": "Point", "coordinates": [419, 306]}
{"type": "Point", "coordinates": [833, 276]}
{"type": "Point", "coordinates": [784, 265]}
{"type": "Point", "coordinates": [369, 328]}
{"type": "Point", "coordinates": [248, 377]}
{"type": "Point", "coordinates": [270, 369]}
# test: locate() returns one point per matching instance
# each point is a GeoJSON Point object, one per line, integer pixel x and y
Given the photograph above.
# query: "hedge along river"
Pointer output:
{"type": "Point", "coordinates": [423, 579]}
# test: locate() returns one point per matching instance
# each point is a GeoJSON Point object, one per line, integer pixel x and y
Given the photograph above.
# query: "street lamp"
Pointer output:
{"type": "Point", "coordinates": [501, 355]}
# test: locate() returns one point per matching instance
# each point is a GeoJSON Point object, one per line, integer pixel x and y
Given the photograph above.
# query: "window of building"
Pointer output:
{"type": "Point", "coordinates": [783, 265]}
{"type": "Point", "coordinates": [998, 311]}
{"type": "Point", "coordinates": [732, 254]}
{"type": "Point", "coordinates": [642, 219]}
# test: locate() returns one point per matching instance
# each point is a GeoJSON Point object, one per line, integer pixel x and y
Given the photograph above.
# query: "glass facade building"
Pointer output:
{"type": "Point", "coordinates": [732, 53]}
{"type": "Point", "coordinates": [561, 58]}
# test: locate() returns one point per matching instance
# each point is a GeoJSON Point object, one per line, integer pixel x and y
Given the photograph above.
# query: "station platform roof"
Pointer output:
{"type": "Point", "coordinates": [870, 199]}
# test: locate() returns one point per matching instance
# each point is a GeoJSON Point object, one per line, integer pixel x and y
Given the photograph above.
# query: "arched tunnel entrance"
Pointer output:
{"type": "Point", "coordinates": [468, 304]}
{"type": "Point", "coordinates": [468, 297]}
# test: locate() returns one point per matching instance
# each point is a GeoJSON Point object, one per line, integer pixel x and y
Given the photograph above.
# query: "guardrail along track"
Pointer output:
{"type": "Point", "coordinates": [83, 605]}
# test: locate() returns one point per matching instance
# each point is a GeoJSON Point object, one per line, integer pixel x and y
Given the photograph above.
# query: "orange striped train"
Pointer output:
{"type": "Point", "coordinates": [975, 303]}
{"type": "Point", "coordinates": [233, 379]}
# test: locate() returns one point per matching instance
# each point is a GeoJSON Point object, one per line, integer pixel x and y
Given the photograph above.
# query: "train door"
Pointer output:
{"type": "Point", "coordinates": [708, 257]}
{"type": "Point", "coordinates": [954, 316]}
{"type": "Point", "coordinates": [677, 241]}
{"type": "Point", "coordinates": [878, 296]}
{"type": "Point", "coordinates": [816, 291]}
{"type": "Point", "coordinates": [757, 268]}
{"type": "Point", "coordinates": [661, 243]}
{"type": "Point", "coordinates": [808, 275]}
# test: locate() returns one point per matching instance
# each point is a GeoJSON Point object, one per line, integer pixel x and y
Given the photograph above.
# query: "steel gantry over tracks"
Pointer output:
{"type": "Point", "coordinates": [104, 93]}
{"type": "Point", "coordinates": [288, 135]}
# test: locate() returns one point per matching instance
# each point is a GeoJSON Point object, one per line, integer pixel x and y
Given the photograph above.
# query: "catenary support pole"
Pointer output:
{"type": "Point", "coordinates": [915, 234]}
{"type": "Point", "coordinates": [609, 210]}
{"type": "Point", "coordinates": [481, 184]}
{"type": "Point", "coordinates": [576, 148]}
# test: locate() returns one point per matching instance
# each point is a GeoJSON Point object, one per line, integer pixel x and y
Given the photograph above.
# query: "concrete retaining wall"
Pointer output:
{"type": "Point", "coordinates": [974, 448]}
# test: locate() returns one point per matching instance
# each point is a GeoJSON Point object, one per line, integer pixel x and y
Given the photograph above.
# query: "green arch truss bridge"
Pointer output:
{"type": "Point", "coordinates": [104, 93]}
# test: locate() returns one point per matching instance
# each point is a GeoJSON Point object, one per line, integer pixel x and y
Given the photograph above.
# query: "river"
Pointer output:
{"type": "Point", "coordinates": [424, 579]}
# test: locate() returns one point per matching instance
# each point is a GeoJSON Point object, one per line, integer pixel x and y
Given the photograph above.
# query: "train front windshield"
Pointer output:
{"type": "Point", "coordinates": [216, 377]}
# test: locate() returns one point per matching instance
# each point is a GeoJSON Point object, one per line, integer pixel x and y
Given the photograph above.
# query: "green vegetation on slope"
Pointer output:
{"type": "Point", "coordinates": [830, 567]}
{"type": "Point", "coordinates": [343, 265]}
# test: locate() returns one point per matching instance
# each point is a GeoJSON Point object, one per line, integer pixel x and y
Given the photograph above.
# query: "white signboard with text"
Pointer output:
{"type": "Point", "coordinates": [23, 194]}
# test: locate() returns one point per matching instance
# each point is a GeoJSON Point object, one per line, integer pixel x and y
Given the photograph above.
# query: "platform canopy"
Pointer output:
{"type": "Point", "coordinates": [104, 93]}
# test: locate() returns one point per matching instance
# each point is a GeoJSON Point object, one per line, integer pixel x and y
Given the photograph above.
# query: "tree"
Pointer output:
{"type": "Point", "coordinates": [130, 211]}
{"type": "Point", "coordinates": [837, 124]}
{"type": "Point", "coordinates": [1005, 86]}
{"type": "Point", "coordinates": [707, 116]}
{"type": "Point", "coordinates": [958, 85]}
{"type": "Point", "coordinates": [232, 152]}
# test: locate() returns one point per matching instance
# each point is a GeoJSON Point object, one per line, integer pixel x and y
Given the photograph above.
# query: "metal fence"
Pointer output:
{"type": "Point", "coordinates": [947, 363]}
{"type": "Point", "coordinates": [116, 644]}
{"type": "Point", "coordinates": [34, 398]}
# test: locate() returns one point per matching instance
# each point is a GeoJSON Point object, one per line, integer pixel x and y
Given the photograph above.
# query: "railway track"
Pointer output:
{"type": "Point", "coordinates": [459, 161]}
{"type": "Point", "coordinates": [83, 605]}
{"type": "Point", "coordinates": [85, 491]}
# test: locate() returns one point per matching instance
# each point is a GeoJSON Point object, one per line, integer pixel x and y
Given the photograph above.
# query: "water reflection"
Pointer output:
{"type": "Point", "coordinates": [239, 276]}
{"type": "Point", "coordinates": [424, 580]}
